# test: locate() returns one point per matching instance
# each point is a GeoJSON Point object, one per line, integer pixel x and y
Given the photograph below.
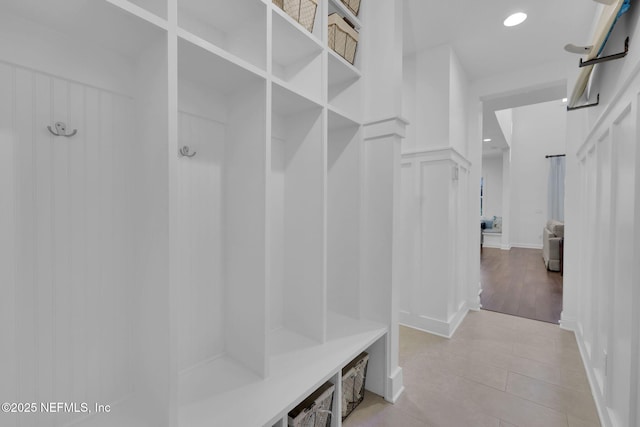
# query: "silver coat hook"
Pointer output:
{"type": "Point", "coordinates": [184, 151]}
{"type": "Point", "coordinates": [61, 130]}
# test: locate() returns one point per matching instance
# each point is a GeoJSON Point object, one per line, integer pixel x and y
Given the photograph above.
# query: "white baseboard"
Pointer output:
{"type": "Point", "coordinates": [568, 323]}
{"type": "Point", "coordinates": [433, 326]}
{"type": "Point", "coordinates": [508, 247]}
{"type": "Point", "coordinates": [395, 386]}
{"type": "Point", "coordinates": [526, 245]}
{"type": "Point", "coordinates": [492, 245]}
{"type": "Point", "coordinates": [603, 413]}
{"type": "Point", "coordinates": [457, 318]}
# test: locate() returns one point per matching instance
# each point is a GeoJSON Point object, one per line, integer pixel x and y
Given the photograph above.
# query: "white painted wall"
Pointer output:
{"type": "Point", "coordinates": [492, 174]}
{"type": "Point", "coordinates": [538, 130]}
{"type": "Point", "coordinates": [435, 100]}
{"type": "Point", "coordinates": [505, 120]}
{"type": "Point", "coordinates": [458, 89]}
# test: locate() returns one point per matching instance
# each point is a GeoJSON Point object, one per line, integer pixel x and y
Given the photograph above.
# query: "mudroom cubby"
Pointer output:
{"type": "Point", "coordinates": [181, 203]}
{"type": "Point", "coordinates": [85, 112]}
{"type": "Point", "coordinates": [344, 85]}
{"type": "Point", "coordinates": [344, 156]}
{"type": "Point", "coordinates": [238, 27]}
{"type": "Point", "coordinates": [336, 6]}
{"type": "Point", "coordinates": [297, 59]}
{"type": "Point", "coordinates": [221, 227]}
{"type": "Point", "coordinates": [297, 222]}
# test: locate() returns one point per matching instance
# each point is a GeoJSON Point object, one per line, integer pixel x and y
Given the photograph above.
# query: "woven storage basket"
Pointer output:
{"type": "Point", "coordinates": [315, 410]}
{"type": "Point", "coordinates": [303, 11]}
{"type": "Point", "coordinates": [343, 38]}
{"type": "Point", "coordinates": [353, 5]}
{"type": "Point", "coordinates": [354, 376]}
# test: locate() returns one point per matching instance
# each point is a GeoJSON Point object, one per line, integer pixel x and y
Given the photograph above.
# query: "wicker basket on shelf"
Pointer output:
{"type": "Point", "coordinates": [315, 410]}
{"type": "Point", "coordinates": [303, 11]}
{"type": "Point", "coordinates": [343, 38]}
{"type": "Point", "coordinates": [352, 5]}
{"type": "Point", "coordinates": [354, 376]}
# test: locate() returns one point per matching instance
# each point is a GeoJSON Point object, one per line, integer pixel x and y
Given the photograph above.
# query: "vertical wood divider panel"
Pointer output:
{"type": "Point", "coordinates": [269, 286]}
{"type": "Point", "coordinates": [174, 220]}
{"type": "Point", "coordinates": [154, 334]}
{"type": "Point", "coordinates": [8, 239]}
{"type": "Point", "coordinates": [246, 215]}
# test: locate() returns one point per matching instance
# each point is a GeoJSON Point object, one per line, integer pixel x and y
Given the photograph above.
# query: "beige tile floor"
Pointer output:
{"type": "Point", "coordinates": [497, 370]}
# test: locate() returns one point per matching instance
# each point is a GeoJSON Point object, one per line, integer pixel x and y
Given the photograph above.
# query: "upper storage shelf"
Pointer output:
{"type": "Point", "coordinates": [280, 17]}
{"type": "Point", "coordinates": [341, 73]}
{"type": "Point", "coordinates": [296, 56]}
{"type": "Point", "coordinates": [77, 19]}
{"type": "Point", "coordinates": [75, 39]}
{"type": "Point", "coordinates": [239, 26]}
{"type": "Point", "coordinates": [157, 7]}
{"type": "Point", "coordinates": [336, 6]}
{"type": "Point", "coordinates": [199, 65]}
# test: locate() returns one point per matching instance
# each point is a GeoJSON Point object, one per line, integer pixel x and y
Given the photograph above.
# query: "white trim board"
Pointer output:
{"type": "Point", "coordinates": [445, 329]}
{"type": "Point", "coordinates": [601, 406]}
{"type": "Point", "coordinates": [439, 153]}
{"type": "Point", "coordinates": [527, 245]}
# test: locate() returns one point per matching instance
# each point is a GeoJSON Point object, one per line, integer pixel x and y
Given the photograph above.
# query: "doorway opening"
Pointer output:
{"type": "Point", "coordinates": [520, 250]}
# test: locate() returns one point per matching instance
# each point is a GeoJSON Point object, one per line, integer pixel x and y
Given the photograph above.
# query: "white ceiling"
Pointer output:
{"type": "Point", "coordinates": [484, 45]}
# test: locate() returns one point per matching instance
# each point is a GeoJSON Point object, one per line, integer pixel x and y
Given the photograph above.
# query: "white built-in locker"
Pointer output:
{"type": "Point", "coordinates": [187, 251]}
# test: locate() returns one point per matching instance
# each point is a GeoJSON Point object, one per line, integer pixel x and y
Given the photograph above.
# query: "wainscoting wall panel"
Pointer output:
{"type": "Point", "coordinates": [608, 294]}
{"type": "Point", "coordinates": [434, 240]}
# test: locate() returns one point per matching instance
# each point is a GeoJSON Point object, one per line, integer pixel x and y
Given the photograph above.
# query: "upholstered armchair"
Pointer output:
{"type": "Point", "coordinates": [552, 235]}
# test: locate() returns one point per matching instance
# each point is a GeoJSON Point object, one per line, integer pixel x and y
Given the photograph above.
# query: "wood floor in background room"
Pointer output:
{"type": "Point", "coordinates": [496, 371]}
{"type": "Point", "coordinates": [516, 282]}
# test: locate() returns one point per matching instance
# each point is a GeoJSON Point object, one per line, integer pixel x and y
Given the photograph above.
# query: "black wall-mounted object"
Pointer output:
{"type": "Point", "coordinates": [579, 107]}
{"type": "Point", "coordinates": [595, 61]}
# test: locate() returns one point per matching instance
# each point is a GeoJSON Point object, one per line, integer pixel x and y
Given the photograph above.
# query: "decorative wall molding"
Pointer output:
{"type": "Point", "coordinates": [395, 384]}
{"type": "Point", "coordinates": [568, 323]}
{"type": "Point", "coordinates": [442, 328]}
{"type": "Point", "coordinates": [591, 142]}
{"type": "Point", "coordinates": [389, 127]}
{"type": "Point", "coordinates": [628, 82]}
{"type": "Point", "coordinates": [439, 154]}
{"type": "Point", "coordinates": [601, 405]}
{"type": "Point", "coordinates": [609, 195]}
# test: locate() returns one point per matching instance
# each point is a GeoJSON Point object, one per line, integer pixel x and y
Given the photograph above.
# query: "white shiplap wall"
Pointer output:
{"type": "Point", "coordinates": [201, 261]}
{"type": "Point", "coordinates": [67, 260]}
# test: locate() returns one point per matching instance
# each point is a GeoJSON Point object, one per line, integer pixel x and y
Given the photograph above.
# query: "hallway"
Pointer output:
{"type": "Point", "coordinates": [516, 282]}
{"type": "Point", "coordinates": [497, 370]}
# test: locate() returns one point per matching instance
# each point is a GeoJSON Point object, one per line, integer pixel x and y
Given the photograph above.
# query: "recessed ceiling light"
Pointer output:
{"type": "Point", "coordinates": [487, 140]}
{"type": "Point", "coordinates": [515, 19]}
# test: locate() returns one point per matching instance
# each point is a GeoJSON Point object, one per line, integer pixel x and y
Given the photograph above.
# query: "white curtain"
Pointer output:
{"type": "Point", "coordinates": [555, 193]}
